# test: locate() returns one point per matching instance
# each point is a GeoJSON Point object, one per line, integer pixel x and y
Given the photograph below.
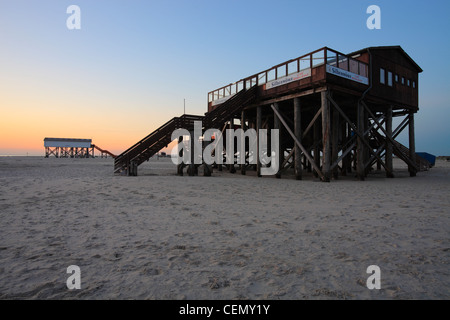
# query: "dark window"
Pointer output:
{"type": "Point", "coordinates": [396, 78]}
{"type": "Point", "coordinates": [403, 80]}
{"type": "Point", "coordinates": [382, 76]}
{"type": "Point", "coordinates": [414, 84]}
{"type": "Point", "coordinates": [389, 79]}
{"type": "Point", "coordinates": [409, 83]}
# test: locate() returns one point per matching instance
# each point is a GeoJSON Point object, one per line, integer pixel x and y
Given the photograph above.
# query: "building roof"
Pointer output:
{"type": "Point", "coordinates": [67, 140]}
{"type": "Point", "coordinates": [419, 69]}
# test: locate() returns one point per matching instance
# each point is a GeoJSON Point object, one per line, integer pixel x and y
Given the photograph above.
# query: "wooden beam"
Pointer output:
{"type": "Point", "coordinates": [412, 145]}
{"type": "Point", "coordinates": [409, 161]}
{"type": "Point", "coordinates": [243, 127]}
{"type": "Point", "coordinates": [319, 172]}
{"type": "Point", "coordinates": [285, 161]}
{"type": "Point", "coordinates": [191, 167]}
{"type": "Point", "coordinates": [357, 131]}
{"type": "Point", "coordinates": [298, 134]}
{"type": "Point", "coordinates": [335, 141]}
{"type": "Point", "coordinates": [231, 167]}
{"type": "Point", "coordinates": [326, 136]}
{"type": "Point", "coordinates": [258, 127]}
{"type": "Point", "coordinates": [345, 159]}
{"type": "Point", "coordinates": [400, 128]}
{"type": "Point", "coordinates": [288, 97]}
{"type": "Point", "coordinates": [277, 126]}
{"type": "Point", "coordinates": [360, 169]}
{"type": "Point", "coordinates": [318, 113]}
{"type": "Point", "coordinates": [388, 155]}
{"type": "Point", "coordinates": [316, 147]}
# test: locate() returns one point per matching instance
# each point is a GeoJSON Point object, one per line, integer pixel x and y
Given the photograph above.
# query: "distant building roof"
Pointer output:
{"type": "Point", "coordinates": [67, 140]}
{"type": "Point", "coordinates": [67, 143]}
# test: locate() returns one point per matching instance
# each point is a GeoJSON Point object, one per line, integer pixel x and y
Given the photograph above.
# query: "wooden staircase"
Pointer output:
{"type": "Point", "coordinates": [403, 152]}
{"type": "Point", "coordinates": [143, 150]}
{"type": "Point", "coordinates": [230, 108]}
{"type": "Point", "coordinates": [128, 161]}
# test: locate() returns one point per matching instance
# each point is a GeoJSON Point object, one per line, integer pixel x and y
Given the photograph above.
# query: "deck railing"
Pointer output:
{"type": "Point", "coordinates": [306, 62]}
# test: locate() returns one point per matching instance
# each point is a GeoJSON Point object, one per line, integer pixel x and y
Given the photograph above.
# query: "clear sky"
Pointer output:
{"type": "Point", "coordinates": [129, 67]}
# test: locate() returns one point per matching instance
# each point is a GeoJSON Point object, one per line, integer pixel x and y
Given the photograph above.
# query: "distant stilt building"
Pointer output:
{"type": "Point", "coordinates": [68, 148]}
{"type": "Point", "coordinates": [73, 148]}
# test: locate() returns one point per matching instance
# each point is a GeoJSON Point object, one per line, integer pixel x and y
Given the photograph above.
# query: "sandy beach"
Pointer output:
{"type": "Point", "coordinates": [162, 236]}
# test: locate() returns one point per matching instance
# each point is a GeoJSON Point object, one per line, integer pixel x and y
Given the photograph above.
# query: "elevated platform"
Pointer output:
{"type": "Point", "coordinates": [333, 111]}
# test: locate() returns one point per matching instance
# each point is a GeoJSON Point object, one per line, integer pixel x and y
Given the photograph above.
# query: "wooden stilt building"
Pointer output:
{"type": "Point", "coordinates": [334, 113]}
{"type": "Point", "coordinates": [72, 148]}
{"type": "Point", "coordinates": [68, 148]}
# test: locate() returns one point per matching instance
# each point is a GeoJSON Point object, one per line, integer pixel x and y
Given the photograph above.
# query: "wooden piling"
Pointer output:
{"type": "Point", "coordinates": [388, 155]}
{"type": "Point", "coordinates": [360, 144]}
{"type": "Point", "coordinates": [258, 127]}
{"type": "Point", "coordinates": [326, 159]}
{"type": "Point", "coordinates": [335, 142]}
{"type": "Point", "coordinates": [298, 134]}
{"type": "Point", "coordinates": [231, 167]}
{"type": "Point", "coordinates": [316, 147]}
{"type": "Point", "coordinates": [243, 156]}
{"type": "Point", "coordinates": [277, 126]}
{"type": "Point", "coordinates": [412, 144]}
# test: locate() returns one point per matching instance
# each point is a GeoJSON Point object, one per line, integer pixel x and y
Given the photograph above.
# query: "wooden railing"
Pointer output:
{"type": "Point", "coordinates": [308, 61]}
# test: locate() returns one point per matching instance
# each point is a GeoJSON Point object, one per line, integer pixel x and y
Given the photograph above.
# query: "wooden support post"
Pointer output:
{"type": "Point", "coordinates": [180, 166]}
{"type": "Point", "coordinates": [231, 167]}
{"type": "Point", "coordinates": [298, 133]}
{"type": "Point", "coordinates": [252, 125]}
{"type": "Point", "coordinates": [345, 138]}
{"type": "Point", "coordinates": [132, 169]}
{"type": "Point", "coordinates": [335, 141]}
{"type": "Point", "coordinates": [412, 144]}
{"type": "Point", "coordinates": [350, 155]}
{"type": "Point", "coordinates": [368, 148]}
{"type": "Point", "coordinates": [277, 126]}
{"type": "Point", "coordinates": [207, 168]}
{"type": "Point", "coordinates": [388, 156]}
{"type": "Point", "coordinates": [243, 156]}
{"type": "Point", "coordinates": [378, 165]}
{"type": "Point", "coordinates": [288, 129]}
{"type": "Point", "coordinates": [258, 127]}
{"type": "Point", "coordinates": [191, 168]}
{"type": "Point", "coordinates": [326, 132]}
{"type": "Point", "coordinates": [308, 163]}
{"type": "Point", "coordinates": [316, 147]}
{"type": "Point", "coordinates": [360, 144]}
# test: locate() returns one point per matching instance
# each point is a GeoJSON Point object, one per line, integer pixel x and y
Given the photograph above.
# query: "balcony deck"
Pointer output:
{"type": "Point", "coordinates": [312, 70]}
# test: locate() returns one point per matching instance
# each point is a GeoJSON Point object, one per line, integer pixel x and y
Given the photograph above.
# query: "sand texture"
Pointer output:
{"type": "Point", "coordinates": [162, 236]}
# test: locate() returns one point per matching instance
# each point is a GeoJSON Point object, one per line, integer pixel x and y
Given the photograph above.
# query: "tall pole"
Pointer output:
{"type": "Point", "coordinates": [184, 106]}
